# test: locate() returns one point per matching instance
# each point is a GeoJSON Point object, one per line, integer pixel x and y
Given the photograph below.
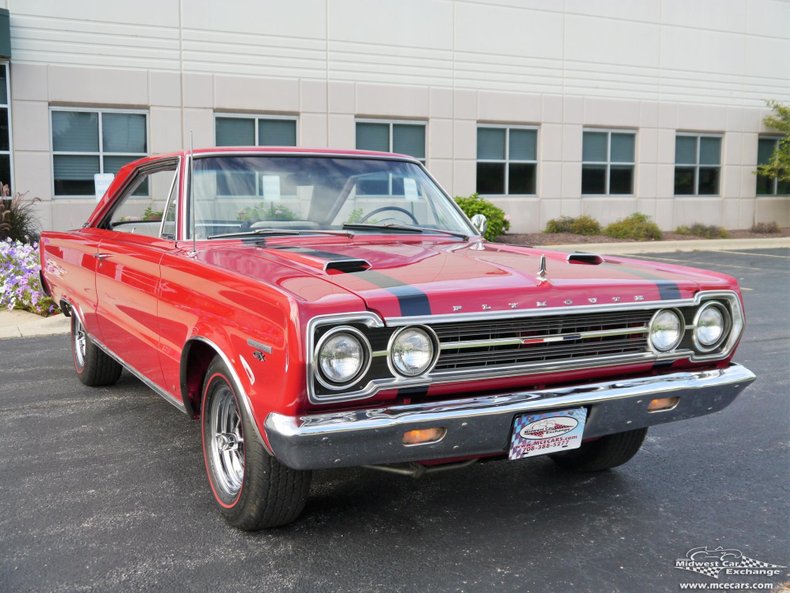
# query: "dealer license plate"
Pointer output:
{"type": "Point", "coordinates": [547, 432]}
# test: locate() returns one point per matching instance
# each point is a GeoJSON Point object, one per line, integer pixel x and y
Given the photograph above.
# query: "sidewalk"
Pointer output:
{"type": "Point", "coordinates": [633, 248]}
{"type": "Point", "coordinates": [20, 324]}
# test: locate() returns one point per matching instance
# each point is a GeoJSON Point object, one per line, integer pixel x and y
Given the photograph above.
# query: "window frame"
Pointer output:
{"type": "Point", "coordinates": [256, 117]}
{"type": "Point", "coordinates": [507, 160]}
{"type": "Point", "coordinates": [7, 106]}
{"type": "Point", "coordinates": [774, 180]}
{"type": "Point", "coordinates": [391, 137]}
{"type": "Point", "coordinates": [609, 162]}
{"type": "Point", "coordinates": [697, 166]}
{"type": "Point", "coordinates": [100, 111]}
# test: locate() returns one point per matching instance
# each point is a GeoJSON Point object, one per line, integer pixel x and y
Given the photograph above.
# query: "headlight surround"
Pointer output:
{"type": "Point", "coordinates": [413, 351]}
{"type": "Point", "coordinates": [711, 326]}
{"type": "Point", "coordinates": [341, 357]}
{"type": "Point", "coordinates": [666, 330]}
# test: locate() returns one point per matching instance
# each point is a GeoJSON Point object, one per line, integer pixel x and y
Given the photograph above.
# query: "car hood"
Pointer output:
{"type": "Point", "coordinates": [398, 278]}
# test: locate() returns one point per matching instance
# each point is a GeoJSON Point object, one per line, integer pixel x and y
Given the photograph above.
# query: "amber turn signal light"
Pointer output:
{"type": "Point", "coordinates": [421, 436]}
{"type": "Point", "coordinates": [662, 403]}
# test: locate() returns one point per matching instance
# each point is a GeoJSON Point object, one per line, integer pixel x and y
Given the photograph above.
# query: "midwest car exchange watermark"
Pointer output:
{"type": "Point", "coordinates": [729, 562]}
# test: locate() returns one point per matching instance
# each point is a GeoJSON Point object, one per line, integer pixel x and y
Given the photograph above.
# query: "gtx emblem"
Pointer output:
{"type": "Point", "coordinates": [457, 308]}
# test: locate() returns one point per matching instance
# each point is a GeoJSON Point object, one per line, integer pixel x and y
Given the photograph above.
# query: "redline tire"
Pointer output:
{"type": "Point", "coordinates": [603, 453]}
{"type": "Point", "coordinates": [93, 366]}
{"type": "Point", "coordinates": [252, 489]}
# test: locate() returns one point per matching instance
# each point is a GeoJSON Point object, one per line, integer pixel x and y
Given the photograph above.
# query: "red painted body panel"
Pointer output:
{"type": "Point", "coordinates": [150, 297]}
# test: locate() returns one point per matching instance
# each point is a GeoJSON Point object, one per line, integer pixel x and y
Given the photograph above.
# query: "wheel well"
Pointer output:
{"type": "Point", "coordinates": [196, 357]}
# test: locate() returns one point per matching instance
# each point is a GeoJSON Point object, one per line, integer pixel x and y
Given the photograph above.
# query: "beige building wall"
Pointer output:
{"type": "Point", "coordinates": [655, 67]}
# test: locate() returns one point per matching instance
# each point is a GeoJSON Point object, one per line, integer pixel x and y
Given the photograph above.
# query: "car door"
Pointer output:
{"type": "Point", "coordinates": [128, 268]}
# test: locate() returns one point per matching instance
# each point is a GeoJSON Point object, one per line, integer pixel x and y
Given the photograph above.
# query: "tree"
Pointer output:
{"type": "Point", "coordinates": [779, 163]}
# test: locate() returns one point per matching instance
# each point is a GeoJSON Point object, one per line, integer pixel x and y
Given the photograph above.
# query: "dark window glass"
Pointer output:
{"type": "Point", "coordinates": [4, 143]}
{"type": "Point", "coordinates": [765, 185]}
{"type": "Point", "coordinates": [5, 172]}
{"type": "Point", "coordinates": [409, 139]}
{"type": "Point", "coordinates": [708, 181]}
{"type": "Point", "coordinates": [522, 178]}
{"type": "Point", "coordinates": [621, 180]}
{"type": "Point", "coordinates": [491, 178]}
{"type": "Point", "coordinates": [684, 180]}
{"type": "Point", "coordinates": [491, 143]}
{"type": "Point", "coordinates": [784, 188]}
{"type": "Point", "coordinates": [594, 147]}
{"type": "Point", "coordinates": [594, 179]}
{"type": "Point", "coordinates": [372, 136]}
{"type": "Point", "coordinates": [123, 132]}
{"type": "Point", "coordinates": [234, 131]}
{"type": "Point", "coordinates": [75, 131]}
{"type": "Point", "coordinates": [74, 174]}
{"type": "Point", "coordinates": [276, 132]}
{"type": "Point", "coordinates": [686, 150]}
{"type": "Point", "coordinates": [3, 90]}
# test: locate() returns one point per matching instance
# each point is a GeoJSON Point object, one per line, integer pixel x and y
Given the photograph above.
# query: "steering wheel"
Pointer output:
{"type": "Point", "coordinates": [395, 208]}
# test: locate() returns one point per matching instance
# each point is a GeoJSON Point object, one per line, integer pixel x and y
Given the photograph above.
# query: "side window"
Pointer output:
{"type": "Point", "coordinates": [143, 215]}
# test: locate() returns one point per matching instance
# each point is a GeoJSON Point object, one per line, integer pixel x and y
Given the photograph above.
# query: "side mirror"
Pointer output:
{"type": "Point", "coordinates": [480, 222]}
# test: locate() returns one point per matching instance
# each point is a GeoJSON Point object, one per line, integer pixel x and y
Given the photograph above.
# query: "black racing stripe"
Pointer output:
{"type": "Point", "coordinates": [667, 290]}
{"type": "Point", "coordinates": [412, 300]}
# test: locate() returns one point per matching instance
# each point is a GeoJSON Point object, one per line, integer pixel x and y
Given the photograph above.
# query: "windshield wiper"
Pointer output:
{"type": "Point", "coordinates": [400, 228]}
{"type": "Point", "coordinates": [275, 232]}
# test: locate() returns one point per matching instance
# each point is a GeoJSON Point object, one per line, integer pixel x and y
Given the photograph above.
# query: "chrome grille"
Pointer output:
{"type": "Point", "coordinates": [491, 344]}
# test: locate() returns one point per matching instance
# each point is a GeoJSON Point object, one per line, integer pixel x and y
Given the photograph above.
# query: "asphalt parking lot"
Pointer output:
{"type": "Point", "coordinates": [104, 490]}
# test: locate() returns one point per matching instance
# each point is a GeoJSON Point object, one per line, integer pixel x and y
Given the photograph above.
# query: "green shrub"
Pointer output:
{"type": "Point", "coordinates": [637, 227]}
{"type": "Point", "coordinates": [765, 228]}
{"type": "Point", "coordinates": [18, 219]}
{"type": "Point", "coordinates": [498, 222]}
{"type": "Point", "coordinates": [581, 225]}
{"type": "Point", "coordinates": [261, 212]}
{"type": "Point", "coordinates": [701, 230]}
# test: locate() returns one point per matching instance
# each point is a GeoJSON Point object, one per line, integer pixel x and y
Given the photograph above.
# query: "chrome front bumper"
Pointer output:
{"type": "Point", "coordinates": [482, 425]}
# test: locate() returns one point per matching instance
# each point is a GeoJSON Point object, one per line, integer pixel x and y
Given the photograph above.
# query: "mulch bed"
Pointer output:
{"type": "Point", "coordinates": [570, 238]}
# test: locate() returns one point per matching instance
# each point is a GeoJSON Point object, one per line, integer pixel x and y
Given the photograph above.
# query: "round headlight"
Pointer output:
{"type": "Point", "coordinates": [710, 325]}
{"type": "Point", "coordinates": [342, 356]}
{"type": "Point", "coordinates": [412, 351]}
{"type": "Point", "coordinates": [666, 330]}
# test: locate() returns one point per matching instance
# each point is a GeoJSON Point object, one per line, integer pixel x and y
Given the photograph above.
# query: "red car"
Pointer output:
{"type": "Point", "coordinates": [322, 309]}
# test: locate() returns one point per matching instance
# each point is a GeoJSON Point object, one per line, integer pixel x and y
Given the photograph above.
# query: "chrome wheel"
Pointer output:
{"type": "Point", "coordinates": [80, 342]}
{"type": "Point", "coordinates": [226, 442]}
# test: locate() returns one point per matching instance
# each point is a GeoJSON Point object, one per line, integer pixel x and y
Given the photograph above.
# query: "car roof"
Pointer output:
{"type": "Point", "coordinates": [281, 150]}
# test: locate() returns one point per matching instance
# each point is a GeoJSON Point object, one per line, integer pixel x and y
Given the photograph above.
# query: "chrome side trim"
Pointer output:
{"type": "Point", "coordinates": [167, 396]}
{"type": "Point", "coordinates": [245, 399]}
{"type": "Point", "coordinates": [481, 425]}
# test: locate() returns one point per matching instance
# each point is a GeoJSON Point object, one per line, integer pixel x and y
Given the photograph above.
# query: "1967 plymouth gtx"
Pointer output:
{"type": "Point", "coordinates": [324, 309]}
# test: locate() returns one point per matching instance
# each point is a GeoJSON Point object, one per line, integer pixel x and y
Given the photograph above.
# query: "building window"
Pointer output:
{"type": "Point", "coordinates": [608, 162]}
{"type": "Point", "coordinates": [245, 130]}
{"type": "Point", "coordinates": [86, 142]}
{"type": "Point", "coordinates": [5, 134]}
{"type": "Point", "coordinates": [769, 186]}
{"type": "Point", "coordinates": [697, 165]}
{"type": "Point", "coordinates": [507, 160]}
{"type": "Point", "coordinates": [403, 138]}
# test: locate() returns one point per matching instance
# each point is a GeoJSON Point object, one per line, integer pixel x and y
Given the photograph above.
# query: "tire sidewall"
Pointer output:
{"type": "Point", "coordinates": [215, 378]}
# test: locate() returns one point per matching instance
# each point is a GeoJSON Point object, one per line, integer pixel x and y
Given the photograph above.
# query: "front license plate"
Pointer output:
{"type": "Point", "coordinates": [547, 432]}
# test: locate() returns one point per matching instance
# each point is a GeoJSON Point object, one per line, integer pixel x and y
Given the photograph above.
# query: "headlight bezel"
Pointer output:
{"type": "Point", "coordinates": [726, 326]}
{"type": "Point", "coordinates": [367, 357]}
{"type": "Point", "coordinates": [681, 331]}
{"type": "Point", "coordinates": [432, 337]}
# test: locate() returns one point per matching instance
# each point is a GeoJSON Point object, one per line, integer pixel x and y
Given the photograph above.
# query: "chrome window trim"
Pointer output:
{"type": "Point", "coordinates": [372, 320]}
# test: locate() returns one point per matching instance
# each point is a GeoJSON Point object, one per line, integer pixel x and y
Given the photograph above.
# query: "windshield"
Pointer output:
{"type": "Point", "coordinates": [308, 193]}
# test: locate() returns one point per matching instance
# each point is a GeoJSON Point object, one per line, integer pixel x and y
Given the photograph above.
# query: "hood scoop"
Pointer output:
{"type": "Point", "coordinates": [346, 266]}
{"type": "Point", "coordinates": [590, 259]}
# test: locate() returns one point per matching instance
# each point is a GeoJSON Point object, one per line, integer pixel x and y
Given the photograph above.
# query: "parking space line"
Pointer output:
{"type": "Point", "coordinates": [750, 253]}
{"type": "Point", "coordinates": [708, 265]}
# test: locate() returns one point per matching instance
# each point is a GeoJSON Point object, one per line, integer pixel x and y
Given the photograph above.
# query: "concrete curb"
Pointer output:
{"type": "Point", "coordinates": [21, 324]}
{"type": "Point", "coordinates": [670, 246]}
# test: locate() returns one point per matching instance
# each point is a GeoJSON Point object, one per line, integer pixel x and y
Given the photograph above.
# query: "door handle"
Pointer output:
{"type": "Point", "coordinates": [101, 256]}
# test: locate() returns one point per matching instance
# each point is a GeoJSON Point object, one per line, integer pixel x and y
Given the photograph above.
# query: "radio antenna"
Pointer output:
{"type": "Point", "coordinates": [191, 195]}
